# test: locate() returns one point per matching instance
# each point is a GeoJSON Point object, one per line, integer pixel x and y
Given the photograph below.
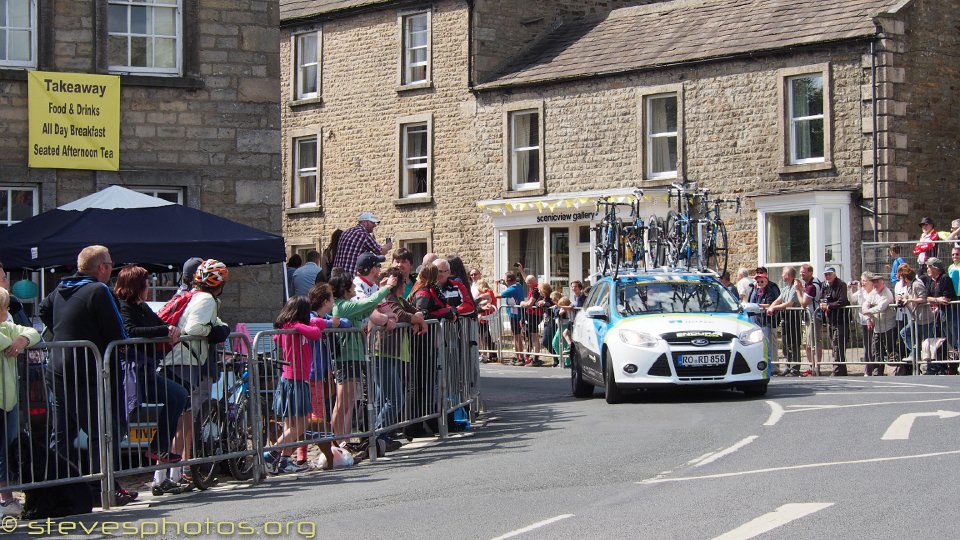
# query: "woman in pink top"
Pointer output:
{"type": "Point", "coordinates": [291, 401]}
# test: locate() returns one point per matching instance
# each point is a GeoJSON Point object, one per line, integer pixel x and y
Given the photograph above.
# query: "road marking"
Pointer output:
{"type": "Point", "coordinates": [697, 460]}
{"type": "Point", "coordinates": [767, 522]}
{"type": "Point", "coordinates": [536, 525]}
{"type": "Point", "coordinates": [776, 413]}
{"type": "Point", "coordinates": [794, 467]}
{"type": "Point", "coordinates": [802, 408]}
{"type": "Point", "coordinates": [899, 430]}
{"type": "Point", "coordinates": [728, 451]}
{"type": "Point", "coordinates": [907, 384]}
{"type": "Point", "coordinates": [895, 393]}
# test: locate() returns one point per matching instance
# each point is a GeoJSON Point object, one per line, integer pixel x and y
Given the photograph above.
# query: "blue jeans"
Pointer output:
{"type": "Point", "coordinates": [155, 388]}
{"type": "Point", "coordinates": [389, 392]}
{"type": "Point", "coordinates": [924, 331]}
{"type": "Point", "coordinates": [771, 347]}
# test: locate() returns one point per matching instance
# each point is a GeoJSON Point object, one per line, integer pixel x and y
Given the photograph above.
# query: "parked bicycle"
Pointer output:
{"type": "Point", "coordinates": [223, 424]}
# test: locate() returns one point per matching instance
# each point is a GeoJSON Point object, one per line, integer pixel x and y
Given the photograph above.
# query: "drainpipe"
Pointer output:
{"type": "Point", "coordinates": [873, 111]}
{"type": "Point", "coordinates": [470, 79]}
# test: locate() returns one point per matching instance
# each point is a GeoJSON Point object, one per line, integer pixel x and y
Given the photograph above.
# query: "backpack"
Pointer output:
{"type": "Point", "coordinates": [171, 312]}
{"type": "Point", "coordinates": [818, 285]}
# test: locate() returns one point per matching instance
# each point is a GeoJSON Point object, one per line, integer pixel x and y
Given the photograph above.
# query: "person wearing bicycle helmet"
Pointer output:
{"type": "Point", "coordinates": [192, 362]}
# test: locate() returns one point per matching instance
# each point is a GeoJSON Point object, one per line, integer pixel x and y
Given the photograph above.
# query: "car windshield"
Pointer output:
{"type": "Point", "coordinates": [689, 296]}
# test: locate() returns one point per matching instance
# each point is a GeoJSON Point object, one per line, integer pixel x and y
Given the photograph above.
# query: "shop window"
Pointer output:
{"type": "Point", "coordinates": [415, 55]}
{"type": "Point", "coordinates": [18, 33]}
{"type": "Point", "coordinates": [526, 247]}
{"type": "Point", "coordinates": [145, 36]}
{"type": "Point", "coordinates": [305, 183]}
{"type": "Point", "coordinates": [17, 203]}
{"type": "Point", "coordinates": [307, 58]}
{"type": "Point", "coordinates": [810, 228]}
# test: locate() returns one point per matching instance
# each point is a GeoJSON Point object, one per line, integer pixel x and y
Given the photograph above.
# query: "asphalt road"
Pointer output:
{"type": "Point", "coordinates": [815, 458]}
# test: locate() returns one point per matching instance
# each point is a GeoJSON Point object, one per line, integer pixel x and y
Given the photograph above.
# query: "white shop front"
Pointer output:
{"type": "Point", "coordinates": [551, 234]}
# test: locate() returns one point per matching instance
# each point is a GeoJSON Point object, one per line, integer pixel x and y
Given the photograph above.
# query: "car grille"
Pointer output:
{"type": "Point", "coordinates": [740, 365]}
{"type": "Point", "coordinates": [700, 371]}
{"type": "Point", "coordinates": [686, 338]}
{"type": "Point", "coordinates": [660, 368]}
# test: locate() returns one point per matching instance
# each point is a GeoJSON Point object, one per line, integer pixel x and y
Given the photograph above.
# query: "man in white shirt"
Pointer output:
{"type": "Point", "coordinates": [878, 305]}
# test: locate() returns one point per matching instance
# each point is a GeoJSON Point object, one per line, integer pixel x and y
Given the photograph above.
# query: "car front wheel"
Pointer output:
{"type": "Point", "coordinates": [611, 392]}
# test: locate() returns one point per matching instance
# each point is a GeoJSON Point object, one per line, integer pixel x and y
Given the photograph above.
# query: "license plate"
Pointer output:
{"type": "Point", "coordinates": [141, 435]}
{"type": "Point", "coordinates": [694, 360]}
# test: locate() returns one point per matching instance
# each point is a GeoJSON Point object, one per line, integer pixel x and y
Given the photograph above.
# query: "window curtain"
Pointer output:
{"type": "Point", "coordinates": [521, 139]}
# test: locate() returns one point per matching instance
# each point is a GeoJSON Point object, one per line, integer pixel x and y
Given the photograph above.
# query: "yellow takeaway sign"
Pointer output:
{"type": "Point", "coordinates": [74, 121]}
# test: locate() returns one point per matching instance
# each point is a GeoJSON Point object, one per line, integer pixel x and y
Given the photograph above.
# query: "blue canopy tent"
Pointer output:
{"type": "Point", "coordinates": [137, 229]}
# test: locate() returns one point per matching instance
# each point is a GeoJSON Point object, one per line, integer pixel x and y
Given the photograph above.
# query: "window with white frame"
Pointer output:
{"type": "Point", "coordinates": [171, 194]}
{"type": "Point", "coordinates": [811, 227]}
{"type": "Point", "coordinates": [305, 172]}
{"type": "Point", "coordinates": [806, 119]}
{"type": "Point", "coordinates": [661, 151]}
{"type": "Point", "coordinates": [415, 142]}
{"type": "Point", "coordinates": [18, 33]}
{"type": "Point", "coordinates": [17, 203]}
{"type": "Point", "coordinates": [416, 48]}
{"type": "Point", "coordinates": [307, 56]}
{"type": "Point", "coordinates": [144, 36]}
{"type": "Point", "coordinates": [524, 149]}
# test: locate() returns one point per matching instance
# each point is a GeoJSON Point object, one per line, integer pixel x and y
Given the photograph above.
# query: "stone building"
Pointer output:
{"type": "Point", "coordinates": [199, 105]}
{"type": "Point", "coordinates": [489, 128]}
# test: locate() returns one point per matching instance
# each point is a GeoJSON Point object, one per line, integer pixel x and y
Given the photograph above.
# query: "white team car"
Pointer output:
{"type": "Point", "coordinates": [663, 328]}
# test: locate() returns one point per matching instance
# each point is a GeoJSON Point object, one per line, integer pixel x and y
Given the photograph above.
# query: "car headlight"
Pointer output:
{"type": "Point", "coordinates": [751, 337]}
{"type": "Point", "coordinates": [638, 339]}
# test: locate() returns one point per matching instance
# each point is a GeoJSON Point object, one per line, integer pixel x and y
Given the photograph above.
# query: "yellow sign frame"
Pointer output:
{"type": "Point", "coordinates": [74, 121]}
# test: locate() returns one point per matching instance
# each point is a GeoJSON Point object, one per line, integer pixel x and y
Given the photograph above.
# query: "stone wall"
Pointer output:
{"type": "Point", "coordinates": [358, 118]}
{"type": "Point", "coordinates": [214, 133]}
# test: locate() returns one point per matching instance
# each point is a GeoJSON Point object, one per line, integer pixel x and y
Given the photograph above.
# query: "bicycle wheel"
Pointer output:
{"type": "Point", "coordinates": [615, 252]}
{"type": "Point", "coordinates": [673, 239]}
{"type": "Point", "coordinates": [240, 436]}
{"type": "Point", "coordinates": [717, 251]}
{"type": "Point", "coordinates": [653, 243]}
{"type": "Point", "coordinates": [207, 442]}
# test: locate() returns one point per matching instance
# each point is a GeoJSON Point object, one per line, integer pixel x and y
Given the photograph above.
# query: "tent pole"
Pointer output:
{"type": "Point", "coordinates": [286, 285]}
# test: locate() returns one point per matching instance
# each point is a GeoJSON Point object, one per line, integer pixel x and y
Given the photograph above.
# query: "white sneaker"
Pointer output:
{"type": "Point", "coordinates": [11, 508]}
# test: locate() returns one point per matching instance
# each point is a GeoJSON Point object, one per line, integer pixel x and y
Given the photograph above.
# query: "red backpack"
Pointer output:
{"type": "Point", "coordinates": [171, 312]}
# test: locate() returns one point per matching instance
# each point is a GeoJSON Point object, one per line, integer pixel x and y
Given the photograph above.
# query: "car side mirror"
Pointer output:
{"type": "Point", "coordinates": [596, 312]}
{"type": "Point", "coordinates": [751, 308]}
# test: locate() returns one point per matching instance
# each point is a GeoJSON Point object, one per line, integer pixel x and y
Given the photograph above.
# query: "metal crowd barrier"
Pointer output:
{"type": "Point", "coordinates": [517, 333]}
{"type": "Point", "coordinates": [61, 411]}
{"type": "Point", "coordinates": [906, 343]}
{"type": "Point", "coordinates": [226, 414]}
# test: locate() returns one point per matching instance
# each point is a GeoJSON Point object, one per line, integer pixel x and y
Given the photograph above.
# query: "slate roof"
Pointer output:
{"type": "Point", "coordinates": [299, 9]}
{"type": "Point", "coordinates": [635, 38]}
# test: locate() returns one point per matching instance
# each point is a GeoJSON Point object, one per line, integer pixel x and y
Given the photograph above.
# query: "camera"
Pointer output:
{"type": "Point", "coordinates": [517, 265]}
